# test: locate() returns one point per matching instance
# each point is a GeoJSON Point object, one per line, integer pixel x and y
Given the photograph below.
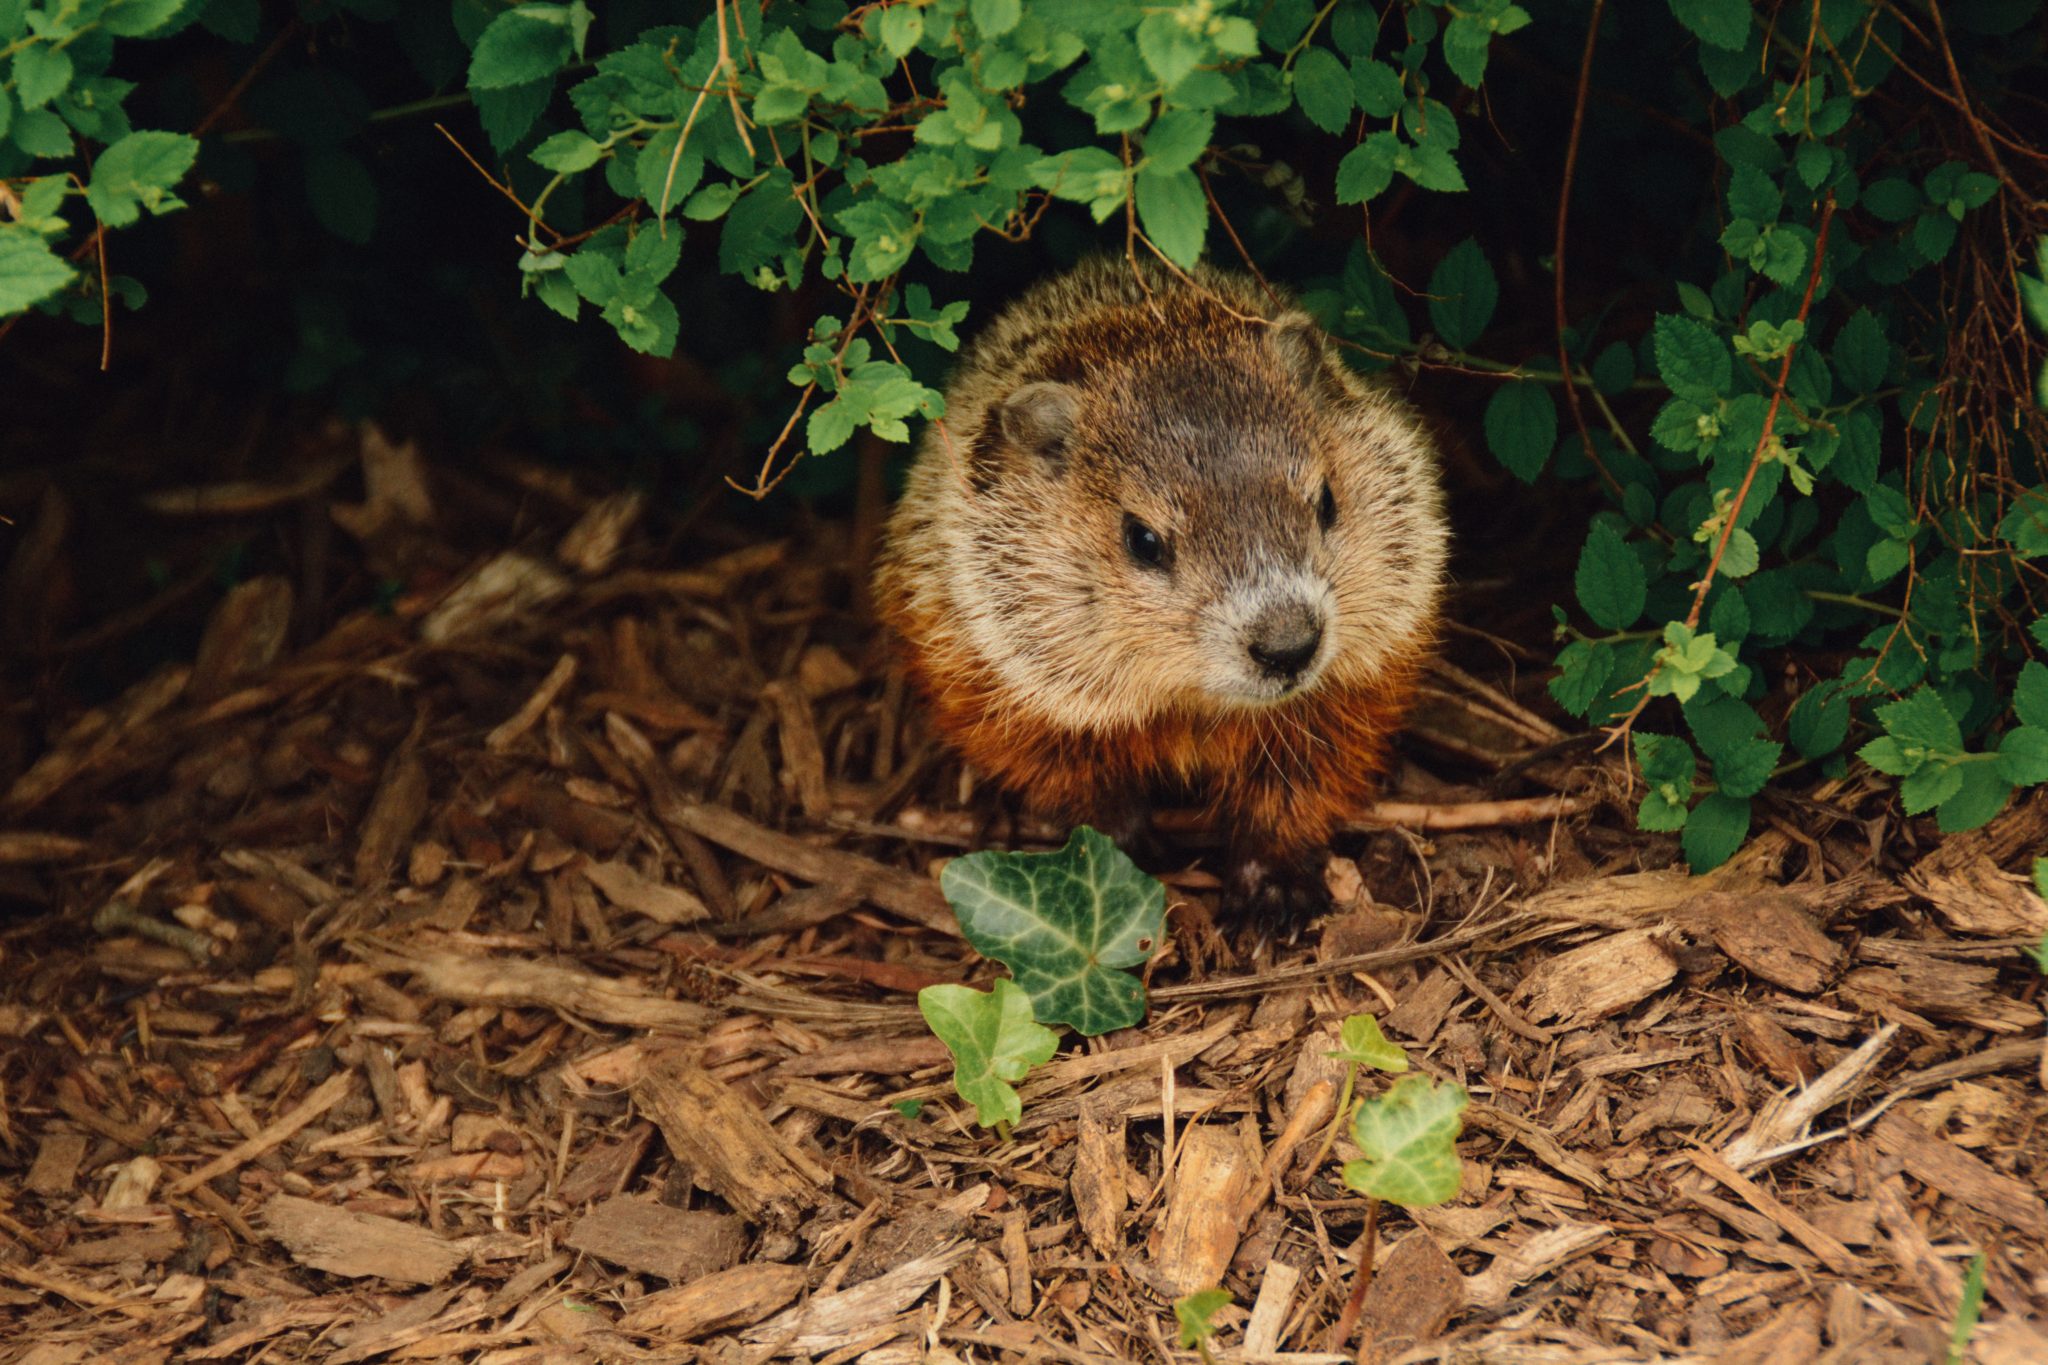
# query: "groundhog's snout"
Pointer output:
{"type": "Point", "coordinates": [1283, 639]}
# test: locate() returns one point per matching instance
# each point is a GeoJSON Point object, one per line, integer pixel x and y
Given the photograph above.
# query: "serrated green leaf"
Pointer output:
{"type": "Point", "coordinates": [1819, 721]}
{"type": "Point", "coordinates": [1064, 924]}
{"type": "Point", "coordinates": [1364, 1044]}
{"type": "Point", "coordinates": [2030, 694]}
{"type": "Point", "coordinates": [1465, 44]}
{"type": "Point", "coordinates": [1323, 89]}
{"type": "Point", "coordinates": [1409, 1136]}
{"type": "Point", "coordinates": [1170, 48]}
{"type": "Point", "coordinates": [1432, 167]}
{"type": "Point", "coordinates": [570, 151]}
{"type": "Point", "coordinates": [2023, 755]}
{"type": "Point", "coordinates": [1929, 785]}
{"type": "Point", "coordinates": [42, 71]}
{"type": "Point", "coordinates": [1584, 668]}
{"type": "Point", "coordinates": [995, 17]}
{"type": "Point", "coordinates": [1367, 169]}
{"type": "Point", "coordinates": [29, 271]}
{"type": "Point", "coordinates": [1177, 137]}
{"type": "Point", "coordinates": [1984, 793]}
{"type": "Point", "coordinates": [1463, 292]}
{"type": "Point", "coordinates": [141, 18]}
{"type": "Point", "coordinates": [1753, 195]}
{"type": "Point", "coordinates": [1723, 23]}
{"type": "Point", "coordinates": [1174, 212]}
{"type": "Point", "coordinates": [994, 1041]}
{"type": "Point", "coordinates": [1922, 721]}
{"type": "Point", "coordinates": [522, 44]}
{"type": "Point", "coordinates": [1693, 362]}
{"type": "Point", "coordinates": [1861, 353]}
{"type": "Point", "coordinates": [1714, 830]}
{"type": "Point", "coordinates": [900, 28]}
{"type": "Point", "coordinates": [137, 173]}
{"type": "Point", "coordinates": [1378, 89]}
{"type": "Point", "coordinates": [1521, 427]}
{"type": "Point", "coordinates": [1610, 581]}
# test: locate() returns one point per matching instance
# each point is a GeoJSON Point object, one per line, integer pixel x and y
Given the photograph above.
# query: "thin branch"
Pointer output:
{"type": "Point", "coordinates": [1564, 207]}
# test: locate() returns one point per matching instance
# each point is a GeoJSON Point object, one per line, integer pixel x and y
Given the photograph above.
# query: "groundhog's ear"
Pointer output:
{"type": "Point", "coordinates": [1039, 418]}
{"type": "Point", "coordinates": [1299, 343]}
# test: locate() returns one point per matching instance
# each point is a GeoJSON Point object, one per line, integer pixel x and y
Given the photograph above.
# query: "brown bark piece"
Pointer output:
{"type": "Point", "coordinates": [246, 634]}
{"type": "Point", "coordinates": [152, 1245]}
{"type": "Point", "coordinates": [1768, 934]}
{"type": "Point", "coordinates": [1422, 1010]}
{"type": "Point", "coordinates": [1961, 1176]}
{"type": "Point", "coordinates": [56, 1164]}
{"type": "Point", "coordinates": [865, 1312]}
{"type": "Point", "coordinates": [1412, 1296]}
{"type": "Point", "coordinates": [1937, 986]}
{"type": "Point", "coordinates": [679, 1245]}
{"type": "Point", "coordinates": [359, 1245]}
{"type": "Point", "coordinates": [1770, 1046]}
{"type": "Point", "coordinates": [717, 1133]}
{"type": "Point", "coordinates": [1794, 1334]}
{"type": "Point", "coordinates": [605, 1171]}
{"type": "Point", "coordinates": [1602, 978]}
{"type": "Point", "coordinates": [395, 813]}
{"type": "Point", "coordinates": [1212, 1186]}
{"type": "Point", "coordinates": [719, 1302]}
{"type": "Point", "coordinates": [1100, 1180]}
{"type": "Point", "coordinates": [482, 980]}
{"type": "Point", "coordinates": [803, 757]}
{"type": "Point", "coordinates": [1963, 879]}
{"type": "Point", "coordinates": [630, 889]}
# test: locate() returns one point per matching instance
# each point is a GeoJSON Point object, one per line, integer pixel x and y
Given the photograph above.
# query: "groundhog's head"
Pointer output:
{"type": "Point", "coordinates": [1181, 506]}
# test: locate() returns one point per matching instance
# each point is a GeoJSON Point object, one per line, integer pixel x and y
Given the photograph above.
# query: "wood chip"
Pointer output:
{"type": "Point", "coordinates": [1962, 1176]}
{"type": "Point", "coordinates": [1207, 1202]}
{"type": "Point", "coordinates": [720, 1302]}
{"type": "Point", "coordinates": [1604, 977]}
{"type": "Point", "coordinates": [1414, 1292]}
{"type": "Point", "coordinates": [360, 1245]}
{"type": "Point", "coordinates": [830, 1321]}
{"type": "Point", "coordinates": [722, 1139]}
{"type": "Point", "coordinates": [1767, 933]}
{"type": "Point", "coordinates": [630, 889]}
{"type": "Point", "coordinates": [678, 1245]}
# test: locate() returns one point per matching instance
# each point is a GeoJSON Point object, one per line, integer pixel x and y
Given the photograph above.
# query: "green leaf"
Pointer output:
{"type": "Point", "coordinates": [1432, 167]}
{"type": "Point", "coordinates": [1929, 785]}
{"type": "Point", "coordinates": [1174, 213]}
{"type": "Point", "coordinates": [137, 173]}
{"type": "Point", "coordinates": [571, 151]}
{"type": "Point", "coordinates": [1364, 1045]}
{"type": "Point", "coordinates": [1409, 1136]}
{"type": "Point", "coordinates": [900, 27]}
{"type": "Point", "coordinates": [1465, 43]}
{"type": "Point", "coordinates": [525, 43]}
{"type": "Point", "coordinates": [1753, 195]}
{"type": "Point", "coordinates": [1721, 23]}
{"type": "Point", "coordinates": [1921, 722]}
{"type": "Point", "coordinates": [342, 195]}
{"type": "Point", "coordinates": [140, 18]}
{"type": "Point", "coordinates": [1367, 169]}
{"type": "Point", "coordinates": [1064, 924]}
{"type": "Point", "coordinates": [1521, 427]}
{"type": "Point", "coordinates": [1177, 137]}
{"type": "Point", "coordinates": [1819, 721]}
{"type": "Point", "coordinates": [1714, 830]}
{"type": "Point", "coordinates": [2030, 695]}
{"type": "Point", "coordinates": [1463, 293]}
{"type": "Point", "coordinates": [1584, 668]}
{"type": "Point", "coordinates": [1610, 580]}
{"type": "Point", "coordinates": [1693, 361]}
{"type": "Point", "coordinates": [996, 17]}
{"type": "Point", "coordinates": [1323, 89]}
{"type": "Point", "coordinates": [1892, 200]}
{"type": "Point", "coordinates": [2023, 756]}
{"type": "Point", "coordinates": [1378, 88]}
{"type": "Point", "coordinates": [1196, 1314]}
{"type": "Point", "coordinates": [1861, 354]}
{"type": "Point", "coordinates": [994, 1041]}
{"type": "Point", "coordinates": [41, 73]}
{"type": "Point", "coordinates": [1170, 48]}
{"type": "Point", "coordinates": [29, 271]}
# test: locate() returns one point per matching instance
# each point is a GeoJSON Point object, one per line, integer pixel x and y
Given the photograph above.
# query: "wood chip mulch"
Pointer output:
{"type": "Point", "coordinates": [524, 971]}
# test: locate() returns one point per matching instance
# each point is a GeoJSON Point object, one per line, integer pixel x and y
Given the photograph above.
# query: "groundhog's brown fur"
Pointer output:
{"type": "Point", "coordinates": [1165, 542]}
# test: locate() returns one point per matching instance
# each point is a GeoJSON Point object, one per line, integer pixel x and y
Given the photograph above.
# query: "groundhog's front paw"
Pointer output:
{"type": "Point", "coordinates": [1274, 895]}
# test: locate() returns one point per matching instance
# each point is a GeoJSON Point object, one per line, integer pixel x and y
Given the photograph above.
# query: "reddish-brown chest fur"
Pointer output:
{"type": "Point", "coordinates": [1277, 780]}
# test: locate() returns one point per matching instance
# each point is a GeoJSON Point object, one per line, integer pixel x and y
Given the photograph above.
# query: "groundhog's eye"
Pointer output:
{"type": "Point", "coordinates": [1143, 542]}
{"type": "Point", "coordinates": [1326, 508]}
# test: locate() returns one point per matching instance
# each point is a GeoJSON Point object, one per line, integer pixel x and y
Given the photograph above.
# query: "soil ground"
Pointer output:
{"type": "Point", "coordinates": [521, 968]}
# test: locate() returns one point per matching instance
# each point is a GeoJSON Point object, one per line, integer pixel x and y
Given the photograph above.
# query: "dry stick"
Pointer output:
{"type": "Point", "coordinates": [1347, 1321]}
{"type": "Point", "coordinates": [1564, 206]}
{"type": "Point", "coordinates": [1756, 460]}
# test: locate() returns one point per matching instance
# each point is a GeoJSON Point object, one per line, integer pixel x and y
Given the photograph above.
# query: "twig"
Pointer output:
{"type": "Point", "coordinates": [1564, 207]}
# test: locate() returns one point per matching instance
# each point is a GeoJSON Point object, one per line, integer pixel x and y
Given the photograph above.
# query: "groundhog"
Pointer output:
{"type": "Point", "coordinates": [1165, 544]}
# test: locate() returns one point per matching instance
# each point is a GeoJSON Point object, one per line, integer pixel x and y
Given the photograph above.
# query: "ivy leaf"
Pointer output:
{"type": "Point", "coordinates": [1409, 1136]}
{"type": "Point", "coordinates": [1323, 89]}
{"type": "Point", "coordinates": [137, 173]}
{"type": "Point", "coordinates": [1693, 362]}
{"type": "Point", "coordinates": [1610, 580]}
{"type": "Point", "coordinates": [1063, 923]}
{"type": "Point", "coordinates": [1174, 212]}
{"type": "Point", "coordinates": [1463, 293]}
{"type": "Point", "coordinates": [994, 1041]}
{"type": "Point", "coordinates": [1364, 1044]}
{"type": "Point", "coordinates": [29, 271]}
{"type": "Point", "coordinates": [1714, 830]}
{"type": "Point", "coordinates": [1521, 427]}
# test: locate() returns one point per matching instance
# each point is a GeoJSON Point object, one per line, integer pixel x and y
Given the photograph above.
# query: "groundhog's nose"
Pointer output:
{"type": "Point", "coordinates": [1285, 639]}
